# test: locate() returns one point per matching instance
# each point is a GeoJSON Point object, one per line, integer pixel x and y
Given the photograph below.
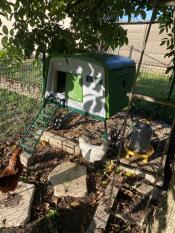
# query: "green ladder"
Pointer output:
{"type": "Point", "coordinates": [38, 126]}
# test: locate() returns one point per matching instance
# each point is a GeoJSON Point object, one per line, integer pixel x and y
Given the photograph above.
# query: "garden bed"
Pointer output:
{"type": "Point", "coordinates": [65, 214]}
{"type": "Point", "coordinates": [74, 215]}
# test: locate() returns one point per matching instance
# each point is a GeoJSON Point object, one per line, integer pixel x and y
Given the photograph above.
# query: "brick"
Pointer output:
{"type": "Point", "coordinates": [26, 159]}
{"type": "Point", "coordinates": [47, 136]}
{"type": "Point", "coordinates": [68, 149]}
{"type": "Point", "coordinates": [69, 144]}
{"type": "Point", "coordinates": [55, 141]}
{"type": "Point", "coordinates": [52, 139]}
{"type": "Point", "coordinates": [61, 142]}
{"type": "Point", "coordinates": [77, 150]}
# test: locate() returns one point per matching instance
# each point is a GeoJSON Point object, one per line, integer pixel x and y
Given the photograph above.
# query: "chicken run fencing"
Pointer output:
{"type": "Point", "coordinates": [20, 96]}
{"type": "Point", "coordinates": [154, 82]}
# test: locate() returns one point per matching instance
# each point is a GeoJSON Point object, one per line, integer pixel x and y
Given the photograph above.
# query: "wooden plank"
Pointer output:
{"type": "Point", "coordinates": [140, 171]}
{"type": "Point", "coordinates": [99, 221]}
{"type": "Point", "coordinates": [146, 189]}
{"type": "Point", "coordinates": [127, 219]}
{"type": "Point", "coordinates": [152, 99]}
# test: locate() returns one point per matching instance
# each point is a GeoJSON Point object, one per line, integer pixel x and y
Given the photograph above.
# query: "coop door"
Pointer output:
{"type": "Point", "coordinates": [74, 90]}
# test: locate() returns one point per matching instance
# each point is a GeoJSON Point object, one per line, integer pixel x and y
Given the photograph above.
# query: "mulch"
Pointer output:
{"type": "Point", "coordinates": [73, 215]}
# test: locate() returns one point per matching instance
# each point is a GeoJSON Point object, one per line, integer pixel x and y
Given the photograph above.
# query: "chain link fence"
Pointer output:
{"type": "Point", "coordinates": [20, 96]}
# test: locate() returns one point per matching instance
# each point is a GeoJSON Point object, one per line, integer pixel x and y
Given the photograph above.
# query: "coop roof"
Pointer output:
{"type": "Point", "coordinates": [111, 62]}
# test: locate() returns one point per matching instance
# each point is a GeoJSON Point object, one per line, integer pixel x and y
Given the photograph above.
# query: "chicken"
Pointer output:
{"type": "Point", "coordinates": [10, 175]}
{"type": "Point", "coordinates": [90, 152]}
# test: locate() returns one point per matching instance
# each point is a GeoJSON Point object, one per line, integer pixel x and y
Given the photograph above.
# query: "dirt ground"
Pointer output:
{"type": "Point", "coordinates": [73, 215]}
{"type": "Point", "coordinates": [77, 125]}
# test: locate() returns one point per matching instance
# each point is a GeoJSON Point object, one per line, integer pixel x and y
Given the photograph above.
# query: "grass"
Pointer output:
{"type": "Point", "coordinates": [28, 73]}
{"type": "Point", "coordinates": [16, 112]}
{"type": "Point", "coordinates": [154, 85]}
{"type": "Point", "coordinates": [157, 86]}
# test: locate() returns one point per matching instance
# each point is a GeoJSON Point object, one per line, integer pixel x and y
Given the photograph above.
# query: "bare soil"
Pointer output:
{"type": "Point", "coordinates": [73, 215]}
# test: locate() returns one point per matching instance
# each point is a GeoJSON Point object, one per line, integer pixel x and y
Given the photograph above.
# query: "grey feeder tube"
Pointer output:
{"type": "Point", "coordinates": [140, 137]}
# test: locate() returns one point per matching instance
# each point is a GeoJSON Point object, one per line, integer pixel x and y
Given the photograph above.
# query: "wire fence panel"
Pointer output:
{"type": "Point", "coordinates": [20, 97]}
{"type": "Point", "coordinates": [21, 94]}
{"type": "Point", "coordinates": [153, 81]}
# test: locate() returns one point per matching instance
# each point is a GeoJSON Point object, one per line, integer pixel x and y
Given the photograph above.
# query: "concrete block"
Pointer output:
{"type": "Point", "coordinates": [61, 142]}
{"type": "Point", "coordinates": [69, 144]}
{"type": "Point", "coordinates": [52, 139]}
{"type": "Point", "coordinates": [26, 159]}
{"type": "Point", "coordinates": [69, 179]}
{"type": "Point", "coordinates": [77, 150]}
{"type": "Point", "coordinates": [47, 136]}
{"type": "Point", "coordinates": [68, 149]}
{"type": "Point", "coordinates": [15, 211]}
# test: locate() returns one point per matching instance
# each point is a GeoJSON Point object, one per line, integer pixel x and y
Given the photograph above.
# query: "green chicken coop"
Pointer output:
{"type": "Point", "coordinates": [93, 84]}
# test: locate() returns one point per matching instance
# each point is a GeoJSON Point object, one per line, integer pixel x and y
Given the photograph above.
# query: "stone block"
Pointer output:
{"type": "Point", "coordinates": [61, 142]}
{"type": "Point", "coordinates": [15, 211]}
{"type": "Point", "coordinates": [52, 139]}
{"type": "Point", "coordinates": [68, 149]}
{"type": "Point", "coordinates": [69, 179]}
{"type": "Point", "coordinates": [69, 144]}
{"type": "Point", "coordinates": [77, 150]}
{"type": "Point", "coordinates": [26, 159]}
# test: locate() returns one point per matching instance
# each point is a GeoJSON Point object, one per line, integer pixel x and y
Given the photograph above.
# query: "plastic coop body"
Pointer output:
{"type": "Point", "coordinates": [94, 84]}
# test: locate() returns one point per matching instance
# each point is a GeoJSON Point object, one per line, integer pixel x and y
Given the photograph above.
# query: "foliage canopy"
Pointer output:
{"type": "Point", "coordinates": [38, 25]}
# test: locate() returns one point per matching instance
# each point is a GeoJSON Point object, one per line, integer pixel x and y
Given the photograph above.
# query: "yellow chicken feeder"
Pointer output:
{"type": "Point", "coordinates": [137, 155]}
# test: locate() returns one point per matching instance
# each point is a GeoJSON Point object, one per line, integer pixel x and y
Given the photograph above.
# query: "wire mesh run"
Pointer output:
{"type": "Point", "coordinates": [20, 96]}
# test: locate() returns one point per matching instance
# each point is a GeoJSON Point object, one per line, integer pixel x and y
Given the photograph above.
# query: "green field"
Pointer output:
{"type": "Point", "coordinates": [16, 112]}
{"type": "Point", "coordinates": [157, 86]}
{"type": "Point", "coordinates": [154, 85]}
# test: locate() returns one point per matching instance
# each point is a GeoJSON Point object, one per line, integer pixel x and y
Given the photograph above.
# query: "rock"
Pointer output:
{"type": "Point", "coordinates": [15, 210]}
{"type": "Point", "coordinates": [69, 179]}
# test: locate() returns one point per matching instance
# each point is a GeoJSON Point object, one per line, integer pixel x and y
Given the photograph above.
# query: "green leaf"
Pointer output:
{"type": "Point", "coordinates": [5, 30]}
{"type": "Point", "coordinates": [161, 30]}
{"type": "Point", "coordinates": [12, 32]}
{"type": "Point", "coordinates": [143, 14]}
{"type": "Point", "coordinates": [52, 213]}
{"type": "Point", "coordinates": [163, 42]}
{"type": "Point", "coordinates": [169, 54]}
{"type": "Point", "coordinates": [4, 14]}
{"type": "Point", "coordinates": [11, 40]}
{"type": "Point", "coordinates": [4, 41]}
{"type": "Point", "coordinates": [169, 69]}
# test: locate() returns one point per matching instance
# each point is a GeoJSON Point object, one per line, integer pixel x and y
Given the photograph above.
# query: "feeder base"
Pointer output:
{"type": "Point", "coordinates": [136, 155]}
